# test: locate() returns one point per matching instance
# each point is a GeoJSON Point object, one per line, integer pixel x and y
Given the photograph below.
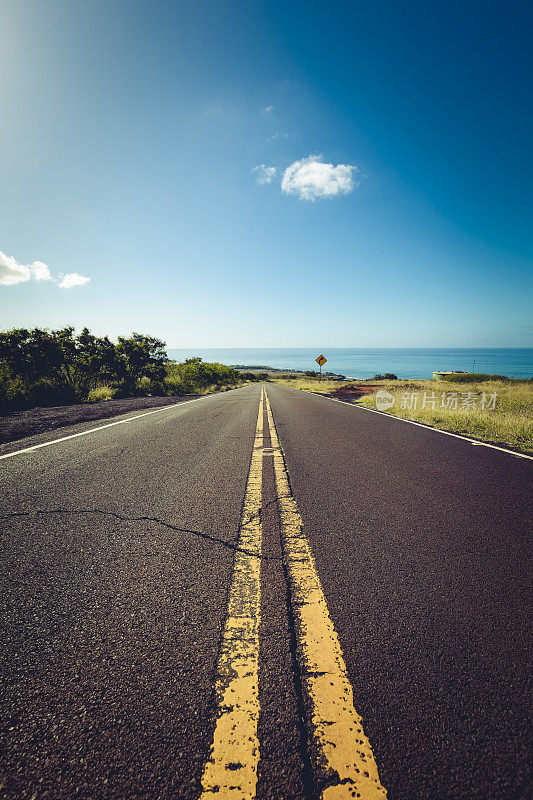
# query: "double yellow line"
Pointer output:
{"type": "Point", "coordinates": [231, 771]}
{"type": "Point", "coordinates": [343, 763]}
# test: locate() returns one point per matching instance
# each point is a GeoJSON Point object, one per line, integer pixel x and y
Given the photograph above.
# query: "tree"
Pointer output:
{"type": "Point", "coordinates": [140, 356]}
{"type": "Point", "coordinates": [197, 374]}
{"type": "Point", "coordinates": [97, 359]}
{"type": "Point", "coordinates": [41, 367]}
{"type": "Point", "coordinates": [38, 354]}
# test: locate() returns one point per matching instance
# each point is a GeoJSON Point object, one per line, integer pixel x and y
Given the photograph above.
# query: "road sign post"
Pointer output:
{"type": "Point", "coordinates": [320, 361]}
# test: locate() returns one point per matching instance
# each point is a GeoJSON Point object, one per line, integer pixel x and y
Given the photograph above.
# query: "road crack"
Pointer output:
{"type": "Point", "coordinates": [231, 544]}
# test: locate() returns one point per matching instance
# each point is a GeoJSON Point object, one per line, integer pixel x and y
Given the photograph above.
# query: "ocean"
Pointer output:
{"type": "Point", "coordinates": [355, 362]}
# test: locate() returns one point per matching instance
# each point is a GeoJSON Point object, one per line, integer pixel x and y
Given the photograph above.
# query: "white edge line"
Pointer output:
{"type": "Point", "coordinates": [99, 428]}
{"type": "Point", "coordinates": [420, 425]}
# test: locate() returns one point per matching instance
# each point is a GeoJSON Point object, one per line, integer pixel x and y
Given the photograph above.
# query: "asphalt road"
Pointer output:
{"type": "Point", "coordinates": [117, 560]}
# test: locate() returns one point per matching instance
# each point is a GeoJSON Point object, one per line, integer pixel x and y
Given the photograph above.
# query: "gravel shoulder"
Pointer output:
{"type": "Point", "coordinates": [40, 420]}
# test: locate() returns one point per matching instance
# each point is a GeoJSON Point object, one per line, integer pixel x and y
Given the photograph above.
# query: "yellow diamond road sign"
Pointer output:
{"type": "Point", "coordinates": [321, 360]}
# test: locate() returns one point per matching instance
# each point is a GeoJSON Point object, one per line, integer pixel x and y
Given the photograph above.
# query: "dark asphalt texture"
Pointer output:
{"type": "Point", "coordinates": [111, 623]}
{"type": "Point", "coordinates": [117, 555]}
{"type": "Point", "coordinates": [423, 545]}
{"type": "Point", "coordinates": [34, 421]}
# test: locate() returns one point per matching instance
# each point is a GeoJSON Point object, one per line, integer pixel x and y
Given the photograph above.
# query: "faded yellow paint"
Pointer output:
{"type": "Point", "coordinates": [343, 762]}
{"type": "Point", "coordinates": [231, 769]}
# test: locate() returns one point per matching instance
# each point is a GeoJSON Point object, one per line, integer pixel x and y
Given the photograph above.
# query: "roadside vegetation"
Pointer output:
{"type": "Point", "coordinates": [50, 368]}
{"type": "Point", "coordinates": [494, 409]}
{"type": "Point", "coordinates": [310, 384]}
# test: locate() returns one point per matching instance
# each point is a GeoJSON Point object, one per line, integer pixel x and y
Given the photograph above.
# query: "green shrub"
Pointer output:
{"type": "Point", "coordinates": [41, 367]}
{"type": "Point", "coordinates": [45, 392]}
{"type": "Point", "coordinates": [157, 389]}
{"type": "Point", "coordinates": [101, 393]}
{"type": "Point", "coordinates": [173, 386]}
{"type": "Point", "coordinates": [473, 377]}
{"type": "Point", "coordinates": [197, 375]}
{"type": "Point", "coordinates": [13, 392]}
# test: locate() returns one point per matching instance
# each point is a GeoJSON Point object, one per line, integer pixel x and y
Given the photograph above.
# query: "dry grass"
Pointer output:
{"type": "Point", "coordinates": [101, 393]}
{"type": "Point", "coordinates": [311, 385]}
{"type": "Point", "coordinates": [510, 424]}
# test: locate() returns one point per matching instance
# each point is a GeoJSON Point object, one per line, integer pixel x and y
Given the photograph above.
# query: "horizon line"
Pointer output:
{"type": "Point", "coordinates": [345, 347]}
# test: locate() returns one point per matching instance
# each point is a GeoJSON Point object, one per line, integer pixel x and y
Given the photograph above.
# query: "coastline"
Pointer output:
{"type": "Point", "coordinates": [363, 363]}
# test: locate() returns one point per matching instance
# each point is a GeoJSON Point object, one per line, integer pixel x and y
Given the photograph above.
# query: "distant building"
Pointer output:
{"type": "Point", "coordinates": [437, 376]}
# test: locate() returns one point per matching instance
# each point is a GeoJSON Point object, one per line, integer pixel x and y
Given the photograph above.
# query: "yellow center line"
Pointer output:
{"type": "Point", "coordinates": [231, 769]}
{"type": "Point", "coordinates": [342, 758]}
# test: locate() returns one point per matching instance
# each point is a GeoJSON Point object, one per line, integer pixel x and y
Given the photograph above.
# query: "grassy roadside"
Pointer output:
{"type": "Point", "coordinates": [213, 378]}
{"type": "Point", "coordinates": [312, 384]}
{"type": "Point", "coordinates": [43, 368]}
{"type": "Point", "coordinates": [193, 377]}
{"type": "Point", "coordinates": [171, 389]}
{"type": "Point", "coordinates": [508, 424]}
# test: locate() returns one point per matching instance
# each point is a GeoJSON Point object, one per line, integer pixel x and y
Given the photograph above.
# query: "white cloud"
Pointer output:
{"type": "Point", "coordinates": [73, 279]}
{"type": "Point", "coordinates": [40, 271]}
{"type": "Point", "coordinates": [11, 272]}
{"type": "Point", "coordinates": [267, 110]}
{"type": "Point", "coordinates": [264, 174]}
{"type": "Point", "coordinates": [311, 178]}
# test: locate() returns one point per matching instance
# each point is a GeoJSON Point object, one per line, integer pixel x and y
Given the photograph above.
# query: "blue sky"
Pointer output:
{"type": "Point", "coordinates": [399, 212]}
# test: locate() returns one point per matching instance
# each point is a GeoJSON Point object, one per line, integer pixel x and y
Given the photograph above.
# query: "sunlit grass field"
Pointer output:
{"type": "Point", "coordinates": [312, 384]}
{"type": "Point", "coordinates": [508, 424]}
